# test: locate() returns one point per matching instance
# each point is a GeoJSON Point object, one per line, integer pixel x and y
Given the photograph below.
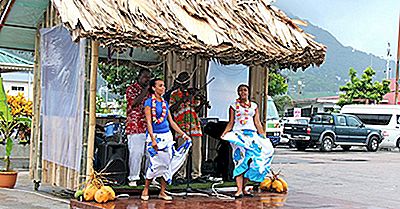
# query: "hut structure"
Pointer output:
{"type": "Point", "coordinates": [186, 34]}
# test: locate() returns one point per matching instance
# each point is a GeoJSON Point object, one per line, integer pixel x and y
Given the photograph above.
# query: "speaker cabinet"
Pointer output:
{"type": "Point", "coordinates": [112, 161]}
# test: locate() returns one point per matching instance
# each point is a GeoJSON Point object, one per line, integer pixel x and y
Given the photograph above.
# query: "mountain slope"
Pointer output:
{"type": "Point", "coordinates": [325, 80]}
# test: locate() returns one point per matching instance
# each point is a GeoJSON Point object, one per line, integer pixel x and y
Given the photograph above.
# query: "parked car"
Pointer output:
{"type": "Point", "coordinates": [327, 131]}
{"type": "Point", "coordinates": [383, 117]}
{"type": "Point", "coordinates": [285, 138]}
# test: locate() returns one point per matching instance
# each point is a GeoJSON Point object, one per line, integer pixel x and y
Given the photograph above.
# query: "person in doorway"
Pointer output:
{"type": "Point", "coordinates": [252, 152]}
{"type": "Point", "coordinates": [164, 160]}
{"type": "Point", "coordinates": [185, 108]}
{"type": "Point", "coordinates": [136, 124]}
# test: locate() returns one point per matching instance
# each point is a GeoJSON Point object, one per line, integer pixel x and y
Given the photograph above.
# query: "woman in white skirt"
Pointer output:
{"type": "Point", "coordinates": [164, 160]}
{"type": "Point", "coordinates": [252, 151]}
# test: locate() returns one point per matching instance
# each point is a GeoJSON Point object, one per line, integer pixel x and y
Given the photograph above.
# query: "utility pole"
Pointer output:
{"type": "Point", "coordinates": [397, 66]}
{"type": "Point", "coordinates": [388, 70]}
{"type": "Point", "coordinates": [299, 88]}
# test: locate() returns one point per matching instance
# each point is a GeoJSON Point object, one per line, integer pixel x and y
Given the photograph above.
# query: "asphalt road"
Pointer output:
{"type": "Point", "coordinates": [368, 178]}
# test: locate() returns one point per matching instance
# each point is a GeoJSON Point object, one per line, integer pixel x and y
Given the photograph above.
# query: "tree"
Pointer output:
{"type": "Point", "coordinates": [363, 90]}
{"type": "Point", "coordinates": [120, 77]}
{"type": "Point", "coordinates": [276, 83]}
{"type": "Point", "coordinates": [283, 102]}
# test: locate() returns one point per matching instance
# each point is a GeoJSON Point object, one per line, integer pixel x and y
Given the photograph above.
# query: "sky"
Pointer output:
{"type": "Point", "coordinates": [366, 25]}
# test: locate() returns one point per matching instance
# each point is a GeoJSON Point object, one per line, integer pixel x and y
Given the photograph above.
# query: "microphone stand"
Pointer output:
{"type": "Point", "coordinates": [189, 159]}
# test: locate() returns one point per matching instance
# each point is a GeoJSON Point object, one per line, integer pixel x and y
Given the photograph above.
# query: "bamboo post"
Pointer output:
{"type": "Point", "coordinates": [82, 172]}
{"type": "Point", "coordinates": [265, 107]}
{"type": "Point", "coordinates": [34, 143]}
{"type": "Point", "coordinates": [92, 105]}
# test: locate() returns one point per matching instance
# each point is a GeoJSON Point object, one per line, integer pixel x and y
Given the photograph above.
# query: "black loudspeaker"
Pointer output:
{"type": "Point", "coordinates": [223, 161]}
{"type": "Point", "coordinates": [112, 161]}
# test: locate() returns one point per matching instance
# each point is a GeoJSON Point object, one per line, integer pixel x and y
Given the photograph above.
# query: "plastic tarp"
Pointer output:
{"type": "Point", "coordinates": [63, 65]}
{"type": "Point", "coordinates": [223, 88]}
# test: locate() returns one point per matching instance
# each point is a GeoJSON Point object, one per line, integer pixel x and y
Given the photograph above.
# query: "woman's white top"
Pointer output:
{"type": "Point", "coordinates": [250, 122]}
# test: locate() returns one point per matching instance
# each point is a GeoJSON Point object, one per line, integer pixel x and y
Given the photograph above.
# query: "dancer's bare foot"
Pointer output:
{"type": "Point", "coordinates": [145, 195]}
{"type": "Point", "coordinates": [164, 196]}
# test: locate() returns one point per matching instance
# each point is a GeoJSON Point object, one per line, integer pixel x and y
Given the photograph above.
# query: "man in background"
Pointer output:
{"type": "Point", "coordinates": [184, 107]}
{"type": "Point", "coordinates": [136, 123]}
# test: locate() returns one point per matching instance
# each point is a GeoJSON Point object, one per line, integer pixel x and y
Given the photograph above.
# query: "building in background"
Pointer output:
{"type": "Point", "coordinates": [18, 82]}
{"type": "Point", "coordinates": [16, 70]}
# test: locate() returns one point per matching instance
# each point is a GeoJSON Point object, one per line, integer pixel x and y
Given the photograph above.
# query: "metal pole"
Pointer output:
{"type": "Point", "coordinates": [397, 66]}
{"type": "Point", "coordinates": [92, 106]}
{"type": "Point", "coordinates": [388, 55]}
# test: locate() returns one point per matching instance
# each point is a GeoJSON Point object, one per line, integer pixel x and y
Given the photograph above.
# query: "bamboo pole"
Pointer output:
{"type": "Point", "coordinates": [34, 140]}
{"type": "Point", "coordinates": [92, 105]}
{"type": "Point", "coordinates": [82, 172]}
{"type": "Point", "coordinates": [265, 107]}
{"type": "Point", "coordinates": [397, 67]}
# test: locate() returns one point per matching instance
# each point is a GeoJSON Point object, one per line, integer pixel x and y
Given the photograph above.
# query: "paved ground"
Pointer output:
{"type": "Point", "coordinates": [357, 176]}
{"type": "Point", "coordinates": [23, 196]}
{"type": "Point", "coordinates": [355, 179]}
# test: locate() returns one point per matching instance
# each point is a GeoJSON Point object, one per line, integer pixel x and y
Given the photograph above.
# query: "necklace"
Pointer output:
{"type": "Point", "coordinates": [243, 120]}
{"type": "Point", "coordinates": [153, 110]}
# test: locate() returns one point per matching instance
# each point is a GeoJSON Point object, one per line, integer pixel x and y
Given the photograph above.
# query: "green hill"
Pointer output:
{"type": "Point", "coordinates": [326, 79]}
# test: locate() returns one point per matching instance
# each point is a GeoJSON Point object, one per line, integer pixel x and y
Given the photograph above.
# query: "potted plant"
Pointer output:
{"type": "Point", "coordinates": [8, 133]}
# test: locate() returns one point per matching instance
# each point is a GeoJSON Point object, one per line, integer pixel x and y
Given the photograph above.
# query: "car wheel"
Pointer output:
{"type": "Point", "coordinates": [398, 143]}
{"type": "Point", "coordinates": [327, 144]}
{"type": "Point", "coordinates": [345, 147]}
{"type": "Point", "coordinates": [291, 144]}
{"type": "Point", "coordinates": [301, 146]}
{"type": "Point", "coordinates": [373, 144]}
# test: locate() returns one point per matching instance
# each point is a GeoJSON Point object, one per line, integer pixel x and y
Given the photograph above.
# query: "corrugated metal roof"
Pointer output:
{"type": "Point", "coordinates": [10, 62]}
{"type": "Point", "coordinates": [18, 29]}
{"type": "Point", "coordinates": [6, 57]}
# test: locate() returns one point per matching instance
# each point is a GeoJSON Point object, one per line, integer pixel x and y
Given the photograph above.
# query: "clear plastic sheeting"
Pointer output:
{"type": "Point", "coordinates": [63, 64]}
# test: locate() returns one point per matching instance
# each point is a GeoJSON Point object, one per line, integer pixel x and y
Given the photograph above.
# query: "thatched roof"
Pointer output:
{"type": "Point", "coordinates": [247, 32]}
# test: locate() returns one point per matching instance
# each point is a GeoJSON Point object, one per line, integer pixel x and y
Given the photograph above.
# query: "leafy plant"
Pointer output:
{"type": "Point", "coordinates": [283, 102]}
{"type": "Point", "coordinates": [21, 107]}
{"type": "Point", "coordinates": [9, 133]}
{"type": "Point", "coordinates": [363, 90]}
{"type": "Point", "coordinates": [100, 105]}
{"type": "Point", "coordinates": [120, 77]}
{"type": "Point", "coordinates": [276, 83]}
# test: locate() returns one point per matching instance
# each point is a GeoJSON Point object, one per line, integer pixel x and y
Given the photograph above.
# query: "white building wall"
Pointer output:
{"type": "Point", "coordinates": [15, 83]}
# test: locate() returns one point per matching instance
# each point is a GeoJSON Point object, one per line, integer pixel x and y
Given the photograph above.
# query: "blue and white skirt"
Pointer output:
{"type": "Point", "coordinates": [252, 154]}
{"type": "Point", "coordinates": [167, 160]}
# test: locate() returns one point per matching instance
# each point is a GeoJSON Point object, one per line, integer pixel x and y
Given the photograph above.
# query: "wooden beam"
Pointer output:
{"type": "Point", "coordinates": [265, 107]}
{"type": "Point", "coordinates": [34, 143]}
{"type": "Point", "coordinates": [92, 105]}
{"type": "Point", "coordinates": [397, 67]}
{"type": "Point", "coordinates": [6, 12]}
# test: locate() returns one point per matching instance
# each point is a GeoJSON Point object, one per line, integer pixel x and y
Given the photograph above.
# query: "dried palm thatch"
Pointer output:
{"type": "Point", "coordinates": [233, 31]}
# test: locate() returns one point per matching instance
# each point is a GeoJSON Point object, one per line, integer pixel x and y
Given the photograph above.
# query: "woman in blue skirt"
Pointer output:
{"type": "Point", "coordinates": [164, 159]}
{"type": "Point", "coordinates": [252, 151]}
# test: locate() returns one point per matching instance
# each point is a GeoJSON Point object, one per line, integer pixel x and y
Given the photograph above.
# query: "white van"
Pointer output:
{"type": "Point", "coordinates": [383, 117]}
{"type": "Point", "coordinates": [273, 130]}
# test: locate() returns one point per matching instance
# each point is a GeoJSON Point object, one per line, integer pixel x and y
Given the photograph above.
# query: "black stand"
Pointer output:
{"type": "Point", "coordinates": [188, 173]}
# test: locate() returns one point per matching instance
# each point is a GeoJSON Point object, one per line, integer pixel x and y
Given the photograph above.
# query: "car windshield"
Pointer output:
{"type": "Point", "coordinates": [272, 113]}
{"type": "Point", "coordinates": [324, 119]}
